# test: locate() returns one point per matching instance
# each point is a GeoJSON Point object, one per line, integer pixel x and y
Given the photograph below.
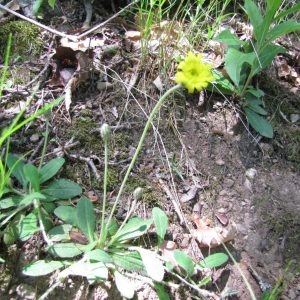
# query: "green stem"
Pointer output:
{"type": "Point", "coordinates": [102, 234]}
{"type": "Point", "coordinates": [138, 149]}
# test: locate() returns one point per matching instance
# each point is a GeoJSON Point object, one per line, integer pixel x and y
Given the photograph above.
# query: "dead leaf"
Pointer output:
{"type": "Point", "coordinates": [190, 195]}
{"type": "Point", "coordinates": [207, 236]}
{"type": "Point", "coordinates": [222, 218]}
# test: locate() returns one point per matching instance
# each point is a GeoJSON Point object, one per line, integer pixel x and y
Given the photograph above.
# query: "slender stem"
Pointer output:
{"type": "Point", "coordinates": [102, 235]}
{"type": "Point", "coordinates": [139, 147]}
{"type": "Point", "coordinates": [37, 206]}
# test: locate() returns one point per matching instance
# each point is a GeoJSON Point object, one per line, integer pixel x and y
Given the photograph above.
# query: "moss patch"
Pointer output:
{"type": "Point", "coordinates": [82, 129]}
{"type": "Point", "coordinates": [25, 39]}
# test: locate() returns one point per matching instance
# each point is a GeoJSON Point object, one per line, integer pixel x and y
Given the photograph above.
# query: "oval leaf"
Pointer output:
{"type": "Point", "coordinates": [161, 222]}
{"type": "Point", "coordinates": [63, 189]}
{"type": "Point", "coordinates": [66, 214]}
{"type": "Point", "coordinates": [42, 267]}
{"type": "Point", "coordinates": [86, 218]}
{"type": "Point", "coordinates": [184, 261]}
{"type": "Point", "coordinates": [153, 265]}
{"type": "Point", "coordinates": [51, 168]}
{"type": "Point", "coordinates": [124, 285]}
{"type": "Point", "coordinates": [259, 123]}
{"type": "Point", "coordinates": [214, 260]}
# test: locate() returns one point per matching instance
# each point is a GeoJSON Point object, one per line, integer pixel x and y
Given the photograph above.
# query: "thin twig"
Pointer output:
{"type": "Point", "coordinates": [106, 21]}
{"type": "Point", "coordinates": [71, 37]}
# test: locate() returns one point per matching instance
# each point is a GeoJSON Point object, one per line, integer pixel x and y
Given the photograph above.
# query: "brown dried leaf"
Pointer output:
{"type": "Point", "coordinates": [222, 218]}
{"type": "Point", "coordinates": [211, 237]}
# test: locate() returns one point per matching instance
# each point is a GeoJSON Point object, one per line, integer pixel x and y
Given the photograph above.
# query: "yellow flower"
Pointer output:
{"type": "Point", "coordinates": [193, 73]}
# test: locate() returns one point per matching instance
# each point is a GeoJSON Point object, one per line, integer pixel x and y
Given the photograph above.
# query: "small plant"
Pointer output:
{"type": "Point", "coordinates": [111, 249]}
{"type": "Point", "coordinates": [245, 59]}
{"type": "Point", "coordinates": [27, 205]}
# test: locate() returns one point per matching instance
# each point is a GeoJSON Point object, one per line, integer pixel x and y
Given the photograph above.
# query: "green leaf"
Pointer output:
{"type": "Point", "coordinates": [63, 189]}
{"type": "Point", "coordinates": [161, 222]}
{"type": "Point", "coordinates": [214, 260]}
{"type": "Point", "coordinates": [51, 168]}
{"type": "Point", "coordinates": [52, 3]}
{"type": "Point", "coordinates": [282, 29]}
{"type": "Point", "coordinates": [16, 165]}
{"type": "Point", "coordinates": [272, 7]}
{"type": "Point", "coordinates": [184, 261]}
{"type": "Point", "coordinates": [161, 292]}
{"type": "Point", "coordinates": [42, 267]}
{"type": "Point", "coordinates": [46, 219]}
{"type": "Point", "coordinates": [255, 17]}
{"type": "Point", "coordinates": [92, 271]}
{"type": "Point", "coordinates": [221, 84]}
{"type": "Point", "coordinates": [228, 39]}
{"type": "Point", "coordinates": [36, 6]}
{"type": "Point", "coordinates": [258, 93]}
{"type": "Point", "coordinates": [133, 229]}
{"type": "Point", "coordinates": [266, 55]}
{"type": "Point", "coordinates": [10, 202]}
{"type": "Point", "coordinates": [66, 250]}
{"type": "Point", "coordinates": [59, 233]}
{"type": "Point", "coordinates": [234, 61]}
{"type": "Point", "coordinates": [32, 175]}
{"type": "Point", "coordinates": [154, 267]}
{"type": "Point", "coordinates": [130, 261]}
{"type": "Point", "coordinates": [124, 285]}
{"type": "Point", "coordinates": [67, 214]}
{"type": "Point", "coordinates": [11, 232]}
{"type": "Point", "coordinates": [27, 227]}
{"type": "Point", "coordinates": [259, 123]}
{"type": "Point", "coordinates": [288, 11]}
{"type": "Point", "coordinates": [27, 200]}
{"type": "Point", "coordinates": [254, 103]}
{"type": "Point", "coordinates": [206, 280]}
{"type": "Point", "coordinates": [99, 255]}
{"type": "Point", "coordinates": [86, 218]}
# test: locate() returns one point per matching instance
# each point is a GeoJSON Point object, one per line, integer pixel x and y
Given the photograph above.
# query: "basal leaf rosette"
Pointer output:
{"type": "Point", "coordinates": [193, 73]}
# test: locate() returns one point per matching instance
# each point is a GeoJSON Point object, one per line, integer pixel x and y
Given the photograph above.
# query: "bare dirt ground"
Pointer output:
{"type": "Point", "coordinates": [200, 154]}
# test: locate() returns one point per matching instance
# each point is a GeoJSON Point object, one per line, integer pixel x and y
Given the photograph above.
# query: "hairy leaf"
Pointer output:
{"type": "Point", "coordinates": [255, 17]}
{"type": "Point", "coordinates": [234, 61]}
{"type": "Point", "coordinates": [42, 267]}
{"type": "Point", "coordinates": [99, 255]}
{"type": "Point", "coordinates": [51, 168]}
{"type": "Point", "coordinates": [153, 265]}
{"type": "Point", "coordinates": [282, 29]}
{"type": "Point", "coordinates": [124, 285]}
{"type": "Point", "coordinates": [184, 261]}
{"type": "Point", "coordinates": [16, 166]}
{"type": "Point", "coordinates": [67, 214]}
{"type": "Point", "coordinates": [133, 229]}
{"type": "Point", "coordinates": [32, 175]}
{"type": "Point", "coordinates": [259, 123]}
{"type": "Point", "coordinates": [228, 39]}
{"type": "Point", "coordinates": [62, 189]}
{"type": "Point", "coordinates": [27, 227]}
{"type": "Point", "coordinates": [161, 222]}
{"type": "Point", "coordinates": [214, 260]}
{"type": "Point", "coordinates": [86, 218]}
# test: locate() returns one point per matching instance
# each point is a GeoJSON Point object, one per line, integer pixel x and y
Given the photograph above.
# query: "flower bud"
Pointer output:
{"type": "Point", "coordinates": [105, 132]}
{"type": "Point", "coordinates": [138, 193]}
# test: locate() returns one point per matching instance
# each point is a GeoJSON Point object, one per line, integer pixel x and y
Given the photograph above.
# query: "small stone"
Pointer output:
{"type": "Point", "coordinates": [228, 183]}
{"type": "Point", "coordinates": [220, 162]}
{"type": "Point", "coordinates": [34, 138]}
{"type": "Point", "coordinates": [294, 118]}
{"type": "Point", "coordinates": [251, 173]}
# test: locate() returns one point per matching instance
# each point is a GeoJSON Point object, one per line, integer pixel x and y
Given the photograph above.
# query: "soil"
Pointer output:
{"type": "Point", "coordinates": [250, 181]}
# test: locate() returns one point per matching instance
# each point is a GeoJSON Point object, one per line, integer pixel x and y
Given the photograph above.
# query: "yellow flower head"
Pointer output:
{"type": "Point", "coordinates": [193, 73]}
